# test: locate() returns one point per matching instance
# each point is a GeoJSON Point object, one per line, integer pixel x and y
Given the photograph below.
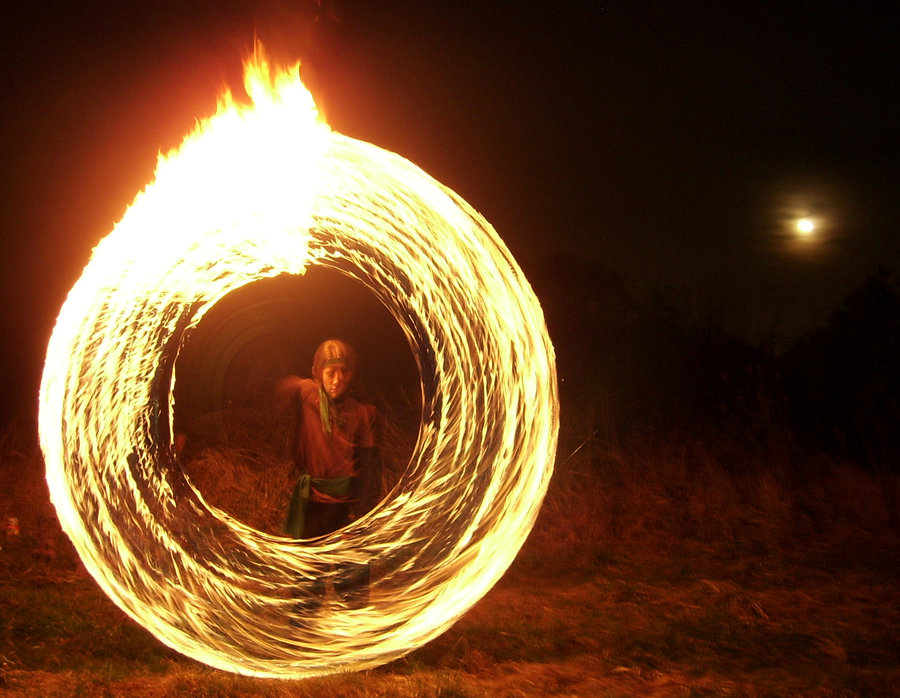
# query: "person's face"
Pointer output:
{"type": "Point", "coordinates": [336, 379]}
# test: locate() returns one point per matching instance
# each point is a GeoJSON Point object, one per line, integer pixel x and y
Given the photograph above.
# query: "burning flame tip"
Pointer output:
{"type": "Point", "coordinates": [264, 80]}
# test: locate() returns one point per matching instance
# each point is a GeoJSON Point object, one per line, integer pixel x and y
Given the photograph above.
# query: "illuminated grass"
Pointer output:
{"type": "Point", "coordinates": [653, 604]}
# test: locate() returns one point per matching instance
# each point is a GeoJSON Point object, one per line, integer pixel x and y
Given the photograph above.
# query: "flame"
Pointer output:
{"type": "Point", "coordinates": [257, 191]}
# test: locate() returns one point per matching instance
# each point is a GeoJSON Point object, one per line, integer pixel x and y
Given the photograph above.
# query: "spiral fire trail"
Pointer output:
{"type": "Point", "coordinates": [258, 191]}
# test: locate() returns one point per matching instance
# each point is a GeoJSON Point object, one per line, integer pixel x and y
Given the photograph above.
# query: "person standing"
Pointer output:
{"type": "Point", "coordinates": [333, 444]}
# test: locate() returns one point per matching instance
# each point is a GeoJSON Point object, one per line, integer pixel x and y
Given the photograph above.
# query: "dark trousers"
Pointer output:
{"type": "Point", "coordinates": [322, 518]}
{"type": "Point", "coordinates": [350, 581]}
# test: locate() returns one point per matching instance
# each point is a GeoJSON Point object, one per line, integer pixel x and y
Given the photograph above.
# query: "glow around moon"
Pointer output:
{"type": "Point", "coordinates": [258, 192]}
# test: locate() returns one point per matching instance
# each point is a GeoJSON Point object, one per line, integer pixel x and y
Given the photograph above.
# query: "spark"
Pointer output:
{"type": "Point", "coordinates": [258, 191]}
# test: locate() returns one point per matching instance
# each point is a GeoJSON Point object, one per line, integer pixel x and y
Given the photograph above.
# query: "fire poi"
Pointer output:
{"type": "Point", "coordinates": [259, 191]}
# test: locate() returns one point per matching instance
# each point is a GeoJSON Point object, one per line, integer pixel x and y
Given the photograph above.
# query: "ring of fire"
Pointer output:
{"type": "Point", "coordinates": [252, 195]}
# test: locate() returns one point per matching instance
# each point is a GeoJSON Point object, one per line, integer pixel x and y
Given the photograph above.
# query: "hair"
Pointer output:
{"type": "Point", "coordinates": [333, 351]}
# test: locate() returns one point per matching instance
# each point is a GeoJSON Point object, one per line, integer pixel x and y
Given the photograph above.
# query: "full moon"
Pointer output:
{"type": "Point", "coordinates": [805, 227]}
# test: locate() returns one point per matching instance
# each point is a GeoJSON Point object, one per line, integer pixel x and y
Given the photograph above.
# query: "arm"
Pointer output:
{"type": "Point", "coordinates": [289, 409]}
{"type": "Point", "coordinates": [288, 388]}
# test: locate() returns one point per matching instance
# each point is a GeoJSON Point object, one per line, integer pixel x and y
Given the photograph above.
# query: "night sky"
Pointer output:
{"type": "Point", "coordinates": [673, 143]}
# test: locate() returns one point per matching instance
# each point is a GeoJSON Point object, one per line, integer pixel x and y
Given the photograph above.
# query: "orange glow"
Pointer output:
{"type": "Point", "coordinates": [258, 191]}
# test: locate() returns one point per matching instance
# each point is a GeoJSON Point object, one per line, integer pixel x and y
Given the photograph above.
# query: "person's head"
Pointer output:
{"type": "Point", "coordinates": [333, 367]}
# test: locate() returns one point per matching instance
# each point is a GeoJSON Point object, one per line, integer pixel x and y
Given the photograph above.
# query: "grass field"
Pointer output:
{"type": "Point", "coordinates": [665, 569]}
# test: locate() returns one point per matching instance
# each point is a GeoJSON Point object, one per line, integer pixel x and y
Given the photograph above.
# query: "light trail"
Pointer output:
{"type": "Point", "coordinates": [255, 192]}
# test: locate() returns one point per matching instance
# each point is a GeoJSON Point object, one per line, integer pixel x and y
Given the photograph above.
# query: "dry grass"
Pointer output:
{"type": "Point", "coordinates": [663, 569]}
{"type": "Point", "coordinates": [231, 454]}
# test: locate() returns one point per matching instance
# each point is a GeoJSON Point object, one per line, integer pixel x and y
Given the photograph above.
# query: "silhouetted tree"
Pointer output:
{"type": "Point", "coordinates": [843, 379]}
{"type": "Point", "coordinates": [708, 378]}
{"type": "Point", "coordinates": [643, 366]}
